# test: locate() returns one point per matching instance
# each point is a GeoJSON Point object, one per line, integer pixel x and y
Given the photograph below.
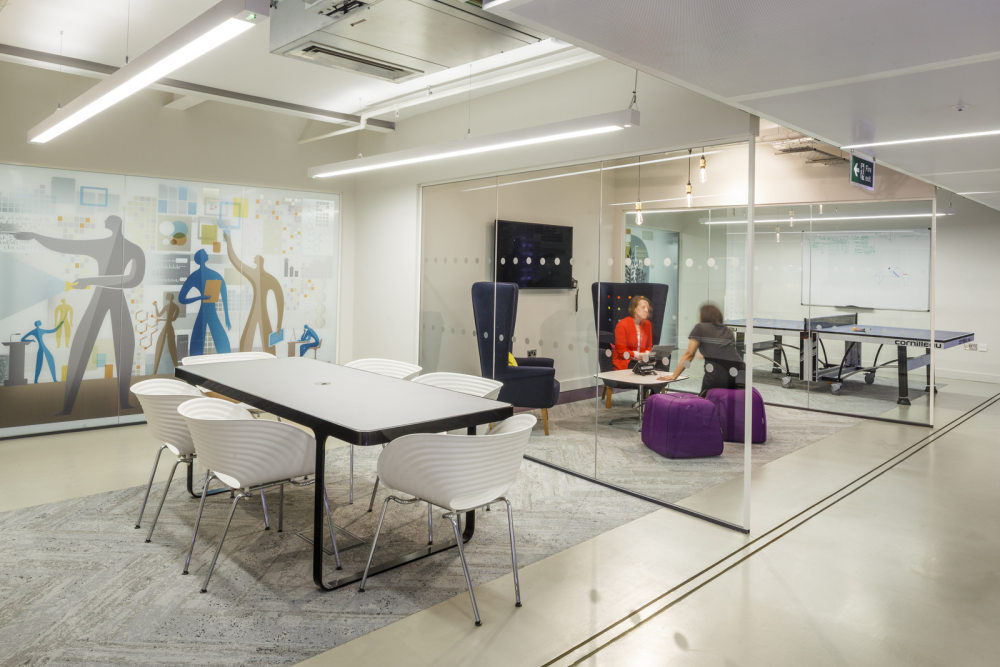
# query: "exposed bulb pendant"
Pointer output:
{"type": "Point", "coordinates": [703, 167]}
{"type": "Point", "coordinates": [688, 190]}
{"type": "Point", "coordinates": [638, 213]}
{"type": "Point", "coordinates": [791, 218]}
{"type": "Point", "coordinates": [777, 234]}
{"type": "Point", "coordinates": [638, 184]}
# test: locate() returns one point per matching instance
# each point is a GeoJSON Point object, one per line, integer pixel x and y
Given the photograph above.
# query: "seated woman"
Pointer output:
{"type": "Point", "coordinates": [633, 334]}
{"type": "Point", "coordinates": [723, 364]}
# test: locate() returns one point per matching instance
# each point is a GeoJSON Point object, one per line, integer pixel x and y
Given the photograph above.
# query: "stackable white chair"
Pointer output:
{"type": "Point", "coordinates": [460, 382]}
{"type": "Point", "coordinates": [401, 370]}
{"type": "Point", "coordinates": [159, 398]}
{"type": "Point", "coordinates": [248, 455]}
{"type": "Point", "coordinates": [458, 473]}
{"type": "Point", "coordinates": [390, 367]}
{"type": "Point", "coordinates": [224, 357]}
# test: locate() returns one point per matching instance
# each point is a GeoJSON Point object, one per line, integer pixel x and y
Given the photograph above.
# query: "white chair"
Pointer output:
{"type": "Point", "coordinates": [460, 382]}
{"type": "Point", "coordinates": [390, 367]}
{"type": "Point", "coordinates": [458, 473]}
{"type": "Point", "coordinates": [248, 455]}
{"type": "Point", "coordinates": [225, 357]}
{"type": "Point", "coordinates": [401, 370]}
{"type": "Point", "coordinates": [159, 398]}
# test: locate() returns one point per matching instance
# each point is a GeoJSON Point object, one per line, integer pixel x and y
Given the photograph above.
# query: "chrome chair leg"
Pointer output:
{"type": "Point", "coordinates": [350, 492]}
{"type": "Point", "coordinates": [430, 524]}
{"type": "Point", "coordinates": [197, 522]}
{"type": "Point", "coordinates": [465, 566]}
{"type": "Point", "coordinates": [281, 506]}
{"type": "Point", "coordinates": [156, 462]}
{"type": "Point", "coordinates": [513, 553]}
{"type": "Point", "coordinates": [371, 503]}
{"type": "Point", "coordinates": [263, 503]}
{"type": "Point", "coordinates": [371, 554]}
{"type": "Point", "coordinates": [211, 568]}
{"type": "Point", "coordinates": [329, 523]}
{"type": "Point", "coordinates": [149, 536]}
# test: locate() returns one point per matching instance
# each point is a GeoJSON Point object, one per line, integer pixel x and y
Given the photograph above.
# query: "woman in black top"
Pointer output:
{"type": "Point", "coordinates": [723, 365]}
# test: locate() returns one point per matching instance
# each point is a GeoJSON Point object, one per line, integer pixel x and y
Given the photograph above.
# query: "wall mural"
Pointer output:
{"type": "Point", "coordinates": [100, 274]}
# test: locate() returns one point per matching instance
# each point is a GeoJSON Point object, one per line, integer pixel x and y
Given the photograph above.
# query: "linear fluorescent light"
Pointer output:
{"type": "Point", "coordinates": [941, 137]}
{"type": "Point", "coordinates": [569, 129]}
{"type": "Point", "coordinates": [214, 27]}
{"type": "Point", "coordinates": [841, 218]}
{"type": "Point", "coordinates": [586, 171]}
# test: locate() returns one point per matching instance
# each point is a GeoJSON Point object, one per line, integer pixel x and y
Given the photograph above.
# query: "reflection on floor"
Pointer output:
{"type": "Point", "coordinates": [615, 453]}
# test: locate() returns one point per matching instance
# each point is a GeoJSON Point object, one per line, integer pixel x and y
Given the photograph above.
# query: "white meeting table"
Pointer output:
{"type": "Point", "coordinates": [356, 406]}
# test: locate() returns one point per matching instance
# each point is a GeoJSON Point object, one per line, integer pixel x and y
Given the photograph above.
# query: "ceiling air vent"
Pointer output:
{"type": "Point", "coordinates": [322, 54]}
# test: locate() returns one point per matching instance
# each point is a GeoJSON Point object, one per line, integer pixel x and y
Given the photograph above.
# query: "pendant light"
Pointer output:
{"type": "Point", "coordinates": [688, 190]}
{"type": "Point", "coordinates": [703, 167]}
{"type": "Point", "coordinates": [638, 184]}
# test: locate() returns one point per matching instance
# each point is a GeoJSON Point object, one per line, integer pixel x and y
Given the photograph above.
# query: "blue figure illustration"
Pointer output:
{"type": "Point", "coordinates": [43, 352]}
{"type": "Point", "coordinates": [308, 334]}
{"type": "Point", "coordinates": [210, 287]}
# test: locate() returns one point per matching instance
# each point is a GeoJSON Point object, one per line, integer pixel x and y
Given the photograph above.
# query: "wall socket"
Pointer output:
{"type": "Point", "coordinates": [532, 353]}
{"type": "Point", "coordinates": [975, 347]}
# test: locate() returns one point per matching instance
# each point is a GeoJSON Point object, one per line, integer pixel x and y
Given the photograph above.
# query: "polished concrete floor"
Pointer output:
{"type": "Point", "coordinates": [878, 546]}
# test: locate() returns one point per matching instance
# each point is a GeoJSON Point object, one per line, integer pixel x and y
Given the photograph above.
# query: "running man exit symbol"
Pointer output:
{"type": "Point", "coordinates": [863, 172]}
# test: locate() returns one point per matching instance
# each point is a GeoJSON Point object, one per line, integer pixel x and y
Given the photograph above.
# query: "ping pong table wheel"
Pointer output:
{"type": "Point", "coordinates": [835, 387]}
{"type": "Point", "coordinates": [786, 380]}
{"type": "Point", "coordinates": [870, 377]}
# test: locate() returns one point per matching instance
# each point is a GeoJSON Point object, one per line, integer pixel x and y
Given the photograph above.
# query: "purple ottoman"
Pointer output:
{"type": "Point", "coordinates": [681, 426]}
{"type": "Point", "coordinates": [729, 404]}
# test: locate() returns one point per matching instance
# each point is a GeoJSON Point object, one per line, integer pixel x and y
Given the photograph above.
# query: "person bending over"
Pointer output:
{"type": "Point", "coordinates": [633, 334]}
{"type": "Point", "coordinates": [715, 341]}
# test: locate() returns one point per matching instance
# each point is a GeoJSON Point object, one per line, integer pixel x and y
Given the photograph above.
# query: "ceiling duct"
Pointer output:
{"type": "Point", "coordinates": [391, 39]}
{"type": "Point", "coordinates": [813, 150]}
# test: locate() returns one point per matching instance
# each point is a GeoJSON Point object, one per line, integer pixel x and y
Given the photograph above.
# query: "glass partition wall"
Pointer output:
{"type": "Point", "coordinates": [526, 228]}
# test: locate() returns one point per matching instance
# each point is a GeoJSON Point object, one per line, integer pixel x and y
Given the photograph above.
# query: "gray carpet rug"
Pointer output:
{"type": "Point", "coordinates": [78, 585]}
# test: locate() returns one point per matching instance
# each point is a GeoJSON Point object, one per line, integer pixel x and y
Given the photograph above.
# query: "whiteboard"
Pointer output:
{"type": "Point", "coordinates": [875, 269]}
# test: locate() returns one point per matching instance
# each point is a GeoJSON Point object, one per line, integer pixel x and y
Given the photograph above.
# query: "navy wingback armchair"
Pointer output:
{"type": "Point", "coordinates": [530, 384]}
{"type": "Point", "coordinates": [611, 302]}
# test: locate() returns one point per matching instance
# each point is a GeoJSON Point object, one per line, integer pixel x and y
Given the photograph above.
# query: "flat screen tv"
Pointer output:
{"type": "Point", "coordinates": [534, 256]}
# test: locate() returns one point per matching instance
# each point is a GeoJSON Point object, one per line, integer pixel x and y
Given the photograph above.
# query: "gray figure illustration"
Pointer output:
{"type": "Point", "coordinates": [263, 283]}
{"type": "Point", "coordinates": [43, 352]}
{"type": "Point", "coordinates": [121, 264]}
{"type": "Point", "coordinates": [167, 314]}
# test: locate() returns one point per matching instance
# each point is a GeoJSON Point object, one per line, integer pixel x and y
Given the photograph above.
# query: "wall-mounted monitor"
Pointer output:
{"type": "Point", "coordinates": [534, 255]}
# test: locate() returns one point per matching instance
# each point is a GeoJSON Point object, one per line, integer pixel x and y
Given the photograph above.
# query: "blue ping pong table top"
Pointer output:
{"type": "Point", "coordinates": [774, 324]}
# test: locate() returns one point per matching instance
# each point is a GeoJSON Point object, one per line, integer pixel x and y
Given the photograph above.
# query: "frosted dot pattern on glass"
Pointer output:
{"type": "Point", "coordinates": [527, 260]}
{"type": "Point", "coordinates": [611, 261]}
{"type": "Point", "coordinates": [542, 261]}
{"type": "Point", "coordinates": [667, 262]}
{"type": "Point", "coordinates": [503, 260]}
{"type": "Point", "coordinates": [689, 262]}
{"type": "Point", "coordinates": [709, 367]}
{"type": "Point", "coordinates": [628, 261]}
{"type": "Point", "coordinates": [647, 262]}
{"type": "Point", "coordinates": [732, 371]}
{"type": "Point", "coordinates": [607, 353]}
{"type": "Point", "coordinates": [710, 261]}
{"type": "Point", "coordinates": [514, 261]}
{"type": "Point", "coordinates": [501, 338]}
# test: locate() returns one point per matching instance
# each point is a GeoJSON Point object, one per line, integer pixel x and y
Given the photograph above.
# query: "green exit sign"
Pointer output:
{"type": "Point", "coordinates": [863, 172]}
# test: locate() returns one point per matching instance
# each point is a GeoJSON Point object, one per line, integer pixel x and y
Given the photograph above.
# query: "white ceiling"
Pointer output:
{"type": "Point", "coordinates": [846, 72]}
{"type": "Point", "coordinates": [104, 31]}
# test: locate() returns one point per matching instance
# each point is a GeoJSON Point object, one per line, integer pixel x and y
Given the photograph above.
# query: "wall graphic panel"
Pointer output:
{"type": "Point", "coordinates": [107, 279]}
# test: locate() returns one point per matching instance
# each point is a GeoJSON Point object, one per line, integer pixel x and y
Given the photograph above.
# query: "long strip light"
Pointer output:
{"type": "Point", "coordinates": [218, 25]}
{"type": "Point", "coordinates": [542, 134]}
{"type": "Point", "coordinates": [840, 218]}
{"type": "Point", "coordinates": [920, 140]}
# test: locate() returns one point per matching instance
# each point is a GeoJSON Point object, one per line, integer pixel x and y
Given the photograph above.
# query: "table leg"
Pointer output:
{"type": "Point", "coordinates": [470, 516]}
{"type": "Point", "coordinates": [317, 542]}
{"type": "Point", "coordinates": [776, 366]}
{"type": "Point", "coordinates": [901, 374]}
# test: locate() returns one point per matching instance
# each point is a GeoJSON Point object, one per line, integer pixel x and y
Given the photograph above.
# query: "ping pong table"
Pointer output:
{"type": "Point", "coordinates": [810, 333]}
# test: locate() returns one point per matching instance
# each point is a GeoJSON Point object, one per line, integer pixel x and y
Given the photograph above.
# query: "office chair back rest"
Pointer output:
{"type": "Point", "coordinates": [159, 398]}
{"type": "Point", "coordinates": [611, 302]}
{"type": "Point", "coordinates": [227, 356]}
{"type": "Point", "coordinates": [494, 306]}
{"type": "Point", "coordinates": [457, 472]}
{"type": "Point", "coordinates": [389, 367]}
{"type": "Point", "coordinates": [466, 384]}
{"type": "Point", "coordinates": [243, 451]}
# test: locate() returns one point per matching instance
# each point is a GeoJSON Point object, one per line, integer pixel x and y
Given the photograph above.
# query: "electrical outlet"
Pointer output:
{"type": "Point", "coordinates": [972, 347]}
{"type": "Point", "coordinates": [983, 347]}
{"type": "Point", "coordinates": [532, 353]}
